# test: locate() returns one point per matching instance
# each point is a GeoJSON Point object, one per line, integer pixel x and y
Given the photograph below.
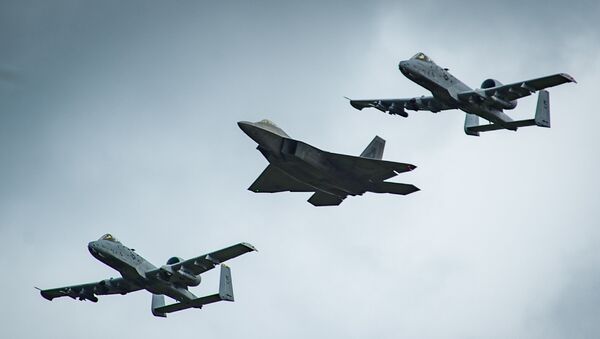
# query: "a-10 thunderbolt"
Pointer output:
{"type": "Point", "coordinates": [296, 166]}
{"type": "Point", "coordinates": [172, 279]}
{"type": "Point", "coordinates": [488, 102]}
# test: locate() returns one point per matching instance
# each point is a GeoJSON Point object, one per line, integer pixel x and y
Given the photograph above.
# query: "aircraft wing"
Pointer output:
{"type": "Point", "coordinates": [273, 180]}
{"type": "Point", "coordinates": [90, 290]}
{"type": "Point", "coordinates": [520, 89]}
{"type": "Point", "coordinates": [397, 106]}
{"type": "Point", "coordinates": [366, 167]}
{"type": "Point", "coordinates": [208, 261]}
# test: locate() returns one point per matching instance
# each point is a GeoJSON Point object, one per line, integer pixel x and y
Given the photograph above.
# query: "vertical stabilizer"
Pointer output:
{"type": "Point", "coordinates": [542, 111]}
{"type": "Point", "coordinates": [375, 149]}
{"type": "Point", "coordinates": [225, 284]}
{"type": "Point", "coordinates": [471, 120]}
{"type": "Point", "coordinates": [158, 300]}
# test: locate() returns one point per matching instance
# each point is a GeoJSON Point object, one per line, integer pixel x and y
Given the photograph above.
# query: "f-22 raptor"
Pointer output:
{"type": "Point", "coordinates": [489, 102]}
{"type": "Point", "coordinates": [296, 166]}
{"type": "Point", "coordinates": [172, 279]}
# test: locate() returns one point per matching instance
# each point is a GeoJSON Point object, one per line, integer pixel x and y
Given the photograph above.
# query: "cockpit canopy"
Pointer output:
{"type": "Point", "coordinates": [268, 122]}
{"type": "Point", "coordinates": [269, 125]}
{"type": "Point", "coordinates": [422, 57]}
{"type": "Point", "coordinates": [108, 237]}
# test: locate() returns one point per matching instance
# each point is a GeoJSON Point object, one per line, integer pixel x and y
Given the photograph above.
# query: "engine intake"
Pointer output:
{"type": "Point", "coordinates": [489, 83]}
{"type": "Point", "coordinates": [174, 260]}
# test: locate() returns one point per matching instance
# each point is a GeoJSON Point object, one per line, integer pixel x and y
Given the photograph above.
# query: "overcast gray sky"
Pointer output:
{"type": "Point", "coordinates": [121, 117]}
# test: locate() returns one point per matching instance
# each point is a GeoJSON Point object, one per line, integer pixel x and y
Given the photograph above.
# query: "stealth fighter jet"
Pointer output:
{"type": "Point", "coordinates": [296, 166]}
{"type": "Point", "coordinates": [489, 102]}
{"type": "Point", "coordinates": [172, 279]}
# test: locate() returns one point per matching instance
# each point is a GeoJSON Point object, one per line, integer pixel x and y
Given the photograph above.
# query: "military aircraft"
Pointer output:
{"type": "Point", "coordinates": [489, 102]}
{"type": "Point", "coordinates": [172, 279]}
{"type": "Point", "coordinates": [296, 166]}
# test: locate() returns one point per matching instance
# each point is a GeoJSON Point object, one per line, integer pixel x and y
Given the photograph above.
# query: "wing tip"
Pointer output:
{"type": "Point", "coordinates": [249, 246]}
{"type": "Point", "coordinates": [356, 105]}
{"type": "Point", "coordinates": [45, 295]}
{"type": "Point", "coordinates": [568, 77]}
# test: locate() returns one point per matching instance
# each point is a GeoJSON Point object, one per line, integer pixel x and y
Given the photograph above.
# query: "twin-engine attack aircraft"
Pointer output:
{"type": "Point", "coordinates": [489, 102]}
{"type": "Point", "coordinates": [296, 166]}
{"type": "Point", "coordinates": [172, 279]}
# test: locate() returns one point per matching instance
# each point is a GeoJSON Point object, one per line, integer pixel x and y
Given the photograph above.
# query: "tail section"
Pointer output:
{"type": "Point", "coordinates": [225, 294]}
{"type": "Point", "coordinates": [542, 118]}
{"type": "Point", "coordinates": [226, 284]}
{"type": "Point", "coordinates": [375, 149]}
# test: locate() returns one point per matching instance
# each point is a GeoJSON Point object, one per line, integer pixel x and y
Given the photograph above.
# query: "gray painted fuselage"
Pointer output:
{"type": "Point", "coordinates": [296, 166]}
{"type": "Point", "coordinates": [303, 162]}
{"type": "Point", "coordinates": [445, 87]}
{"type": "Point", "coordinates": [134, 269]}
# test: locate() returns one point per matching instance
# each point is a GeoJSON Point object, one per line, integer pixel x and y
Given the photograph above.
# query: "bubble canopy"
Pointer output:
{"type": "Point", "coordinates": [422, 57]}
{"type": "Point", "coordinates": [108, 237]}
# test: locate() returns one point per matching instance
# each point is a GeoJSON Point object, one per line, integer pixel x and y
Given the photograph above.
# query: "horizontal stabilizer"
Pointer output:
{"type": "Point", "coordinates": [225, 294]}
{"type": "Point", "coordinates": [325, 199]}
{"type": "Point", "coordinates": [394, 188]}
{"type": "Point", "coordinates": [542, 118]}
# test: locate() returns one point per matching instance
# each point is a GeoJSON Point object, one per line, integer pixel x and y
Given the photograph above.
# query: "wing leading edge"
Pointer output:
{"type": "Point", "coordinates": [273, 180]}
{"type": "Point", "coordinates": [518, 90]}
{"type": "Point", "coordinates": [397, 106]}
{"type": "Point", "coordinates": [208, 261]}
{"type": "Point", "coordinates": [90, 290]}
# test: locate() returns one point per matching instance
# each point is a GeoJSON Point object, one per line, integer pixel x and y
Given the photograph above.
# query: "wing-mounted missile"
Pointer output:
{"type": "Point", "coordinates": [396, 109]}
{"type": "Point", "coordinates": [380, 106]}
{"type": "Point", "coordinates": [85, 294]}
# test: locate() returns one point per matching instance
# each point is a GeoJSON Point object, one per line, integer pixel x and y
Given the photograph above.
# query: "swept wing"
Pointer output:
{"type": "Point", "coordinates": [273, 180]}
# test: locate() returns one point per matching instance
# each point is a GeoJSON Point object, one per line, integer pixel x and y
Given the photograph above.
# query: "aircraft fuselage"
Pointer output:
{"type": "Point", "coordinates": [445, 87]}
{"type": "Point", "coordinates": [134, 267]}
{"type": "Point", "coordinates": [304, 162]}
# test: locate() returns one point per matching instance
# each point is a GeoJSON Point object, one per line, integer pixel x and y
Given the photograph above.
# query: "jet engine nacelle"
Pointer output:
{"type": "Point", "coordinates": [489, 83]}
{"type": "Point", "coordinates": [174, 260]}
{"type": "Point", "coordinates": [179, 275]}
{"type": "Point", "coordinates": [498, 100]}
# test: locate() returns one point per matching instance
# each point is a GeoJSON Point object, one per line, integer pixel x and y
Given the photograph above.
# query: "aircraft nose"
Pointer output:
{"type": "Point", "coordinates": [245, 126]}
{"type": "Point", "coordinates": [403, 66]}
